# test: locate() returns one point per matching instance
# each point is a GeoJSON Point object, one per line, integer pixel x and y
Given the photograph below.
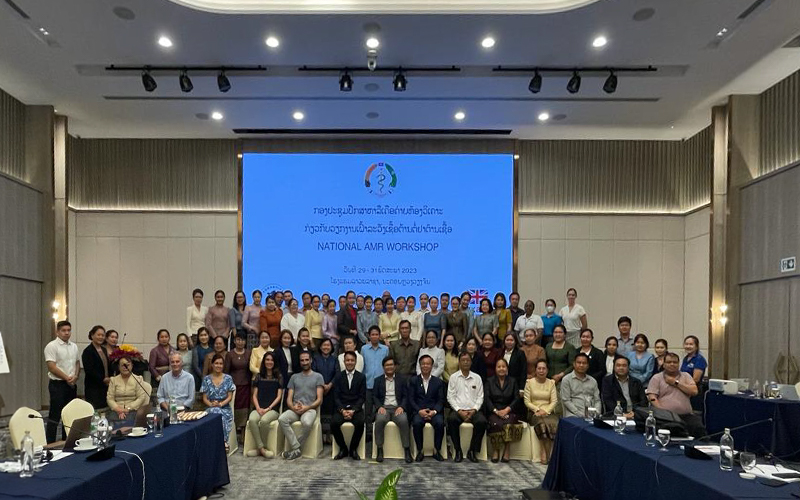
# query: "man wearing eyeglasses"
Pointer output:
{"type": "Point", "coordinates": [671, 390]}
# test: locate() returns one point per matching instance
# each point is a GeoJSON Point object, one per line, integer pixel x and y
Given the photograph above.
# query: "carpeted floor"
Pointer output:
{"type": "Point", "coordinates": [256, 478]}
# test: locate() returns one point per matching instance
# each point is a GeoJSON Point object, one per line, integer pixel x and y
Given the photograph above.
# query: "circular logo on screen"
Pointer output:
{"type": "Point", "coordinates": [380, 179]}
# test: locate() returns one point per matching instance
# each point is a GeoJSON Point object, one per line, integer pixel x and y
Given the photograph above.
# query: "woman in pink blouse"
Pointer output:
{"type": "Point", "coordinates": [159, 357]}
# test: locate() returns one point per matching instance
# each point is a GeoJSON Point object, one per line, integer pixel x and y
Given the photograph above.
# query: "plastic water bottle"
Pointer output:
{"type": "Point", "coordinates": [102, 432]}
{"type": "Point", "coordinates": [650, 430]}
{"type": "Point", "coordinates": [619, 419]}
{"type": "Point", "coordinates": [26, 455]}
{"type": "Point", "coordinates": [93, 428]}
{"type": "Point", "coordinates": [726, 451]}
{"type": "Point", "coordinates": [173, 410]}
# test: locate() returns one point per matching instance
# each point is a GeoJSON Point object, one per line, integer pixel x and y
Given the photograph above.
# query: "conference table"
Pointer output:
{"type": "Point", "coordinates": [187, 462]}
{"type": "Point", "coordinates": [593, 463]}
{"type": "Point", "coordinates": [780, 437]}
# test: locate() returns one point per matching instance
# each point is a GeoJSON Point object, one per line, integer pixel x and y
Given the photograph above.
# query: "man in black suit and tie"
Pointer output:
{"type": "Point", "coordinates": [389, 394]}
{"type": "Point", "coordinates": [426, 403]}
{"type": "Point", "coordinates": [619, 386]}
{"type": "Point", "coordinates": [349, 393]}
{"type": "Point", "coordinates": [346, 319]}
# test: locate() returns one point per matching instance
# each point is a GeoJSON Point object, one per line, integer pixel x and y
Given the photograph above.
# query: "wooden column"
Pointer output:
{"type": "Point", "coordinates": [717, 352]}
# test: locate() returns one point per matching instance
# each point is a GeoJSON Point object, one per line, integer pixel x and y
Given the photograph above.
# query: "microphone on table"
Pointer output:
{"type": "Point", "coordinates": [103, 454]}
{"type": "Point", "coordinates": [692, 452]}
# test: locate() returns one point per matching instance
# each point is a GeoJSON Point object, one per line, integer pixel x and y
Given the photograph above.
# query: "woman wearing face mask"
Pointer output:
{"type": "Point", "coordinates": [549, 321]}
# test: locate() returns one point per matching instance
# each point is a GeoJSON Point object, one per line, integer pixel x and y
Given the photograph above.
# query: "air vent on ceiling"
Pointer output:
{"type": "Point", "coordinates": [370, 131]}
{"type": "Point", "coordinates": [748, 11]}
{"type": "Point", "coordinates": [18, 9]}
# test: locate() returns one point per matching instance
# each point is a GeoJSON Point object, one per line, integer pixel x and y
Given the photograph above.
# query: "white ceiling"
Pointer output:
{"type": "Point", "coordinates": [671, 104]}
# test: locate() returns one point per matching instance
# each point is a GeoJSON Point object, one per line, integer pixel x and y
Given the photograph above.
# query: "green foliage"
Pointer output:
{"type": "Point", "coordinates": [387, 490]}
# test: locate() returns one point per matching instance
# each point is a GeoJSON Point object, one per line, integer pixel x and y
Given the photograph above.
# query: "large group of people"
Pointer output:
{"type": "Point", "coordinates": [365, 361]}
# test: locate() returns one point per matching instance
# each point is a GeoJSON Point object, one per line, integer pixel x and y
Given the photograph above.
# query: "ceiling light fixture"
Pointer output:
{"type": "Point", "coordinates": [298, 115]}
{"type": "Point", "coordinates": [544, 116]}
{"type": "Point", "coordinates": [610, 86]}
{"type": "Point", "coordinates": [722, 32]}
{"type": "Point", "coordinates": [345, 82]}
{"type": "Point", "coordinates": [399, 83]}
{"type": "Point", "coordinates": [148, 81]}
{"type": "Point", "coordinates": [272, 42]}
{"type": "Point", "coordinates": [535, 86]}
{"type": "Point", "coordinates": [185, 82]}
{"type": "Point", "coordinates": [599, 41]}
{"type": "Point", "coordinates": [223, 83]}
{"type": "Point", "coordinates": [216, 115]}
{"type": "Point", "coordinates": [487, 43]}
{"type": "Point", "coordinates": [165, 42]}
{"type": "Point", "coordinates": [460, 115]}
{"type": "Point", "coordinates": [574, 84]}
{"type": "Point", "coordinates": [373, 43]}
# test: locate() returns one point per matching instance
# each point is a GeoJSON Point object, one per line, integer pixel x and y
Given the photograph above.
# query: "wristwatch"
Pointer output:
{"type": "Point", "coordinates": [677, 383]}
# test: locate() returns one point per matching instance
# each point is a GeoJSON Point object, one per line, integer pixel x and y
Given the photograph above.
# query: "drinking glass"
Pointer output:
{"type": "Point", "coordinates": [150, 423]}
{"type": "Point", "coordinates": [38, 453]}
{"type": "Point", "coordinates": [747, 460]}
{"type": "Point", "coordinates": [593, 413]}
{"type": "Point", "coordinates": [158, 422]}
{"type": "Point", "coordinates": [663, 438]}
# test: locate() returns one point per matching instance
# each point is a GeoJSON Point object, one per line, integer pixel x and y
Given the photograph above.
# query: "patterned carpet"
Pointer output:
{"type": "Point", "coordinates": [255, 478]}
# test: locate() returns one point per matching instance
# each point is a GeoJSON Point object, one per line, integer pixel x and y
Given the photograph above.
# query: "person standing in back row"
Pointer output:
{"type": "Point", "coordinates": [574, 316]}
{"type": "Point", "coordinates": [218, 318]}
{"type": "Point", "coordinates": [63, 370]}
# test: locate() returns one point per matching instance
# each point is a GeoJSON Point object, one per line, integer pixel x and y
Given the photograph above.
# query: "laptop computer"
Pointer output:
{"type": "Point", "coordinates": [788, 392]}
{"type": "Point", "coordinates": [81, 428]}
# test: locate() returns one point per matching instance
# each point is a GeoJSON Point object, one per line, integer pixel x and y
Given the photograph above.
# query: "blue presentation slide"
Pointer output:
{"type": "Point", "coordinates": [328, 223]}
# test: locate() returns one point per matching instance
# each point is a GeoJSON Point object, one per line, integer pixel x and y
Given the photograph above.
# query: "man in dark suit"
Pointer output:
{"type": "Point", "coordinates": [619, 386]}
{"type": "Point", "coordinates": [349, 393]}
{"type": "Point", "coordinates": [426, 404]}
{"type": "Point", "coordinates": [346, 319]}
{"type": "Point", "coordinates": [389, 396]}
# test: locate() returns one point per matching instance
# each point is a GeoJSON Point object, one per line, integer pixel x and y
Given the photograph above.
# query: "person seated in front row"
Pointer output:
{"type": "Point", "coordinates": [671, 390]}
{"type": "Point", "coordinates": [503, 401]}
{"type": "Point", "coordinates": [349, 393]}
{"type": "Point", "coordinates": [389, 396]}
{"type": "Point", "coordinates": [577, 387]}
{"type": "Point", "coordinates": [266, 395]}
{"type": "Point", "coordinates": [125, 391]}
{"type": "Point", "coordinates": [304, 398]}
{"type": "Point", "coordinates": [541, 398]}
{"type": "Point", "coordinates": [426, 403]}
{"type": "Point", "coordinates": [620, 387]}
{"type": "Point", "coordinates": [349, 345]}
{"type": "Point", "coordinates": [217, 390]}
{"type": "Point", "coordinates": [465, 395]}
{"type": "Point", "coordinates": [177, 383]}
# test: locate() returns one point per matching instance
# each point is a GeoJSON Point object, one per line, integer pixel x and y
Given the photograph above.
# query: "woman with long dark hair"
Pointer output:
{"type": "Point", "coordinates": [96, 368]}
{"type": "Point", "coordinates": [267, 395]}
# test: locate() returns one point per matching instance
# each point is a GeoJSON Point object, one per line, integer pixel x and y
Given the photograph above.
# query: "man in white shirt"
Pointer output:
{"type": "Point", "coordinates": [465, 395]}
{"type": "Point", "coordinates": [349, 345]}
{"type": "Point", "coordinates": [176, 384]}
{"type": "Point", "coordinates": [63, 370]}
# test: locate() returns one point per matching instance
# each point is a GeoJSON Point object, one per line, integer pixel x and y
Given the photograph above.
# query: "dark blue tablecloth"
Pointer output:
{"type": "Point", "coordinates": [781, 437]}
{"type": "Point", "coordinates": [188, 462]}
{"type": "Point", "coordinates": [599, 464]}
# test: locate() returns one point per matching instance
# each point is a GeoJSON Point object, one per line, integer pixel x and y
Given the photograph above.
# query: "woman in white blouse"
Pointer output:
{"type": "Point", "coordinates": [293, 320]}
{"type": "Point", "coordinates": [196, 313]}
{"type": "Point", "coordinates": [414, 317]}
{"type": "Point", "coordinates": [574, 316]}
{"type": "Point", "coordinates": [431, 349]}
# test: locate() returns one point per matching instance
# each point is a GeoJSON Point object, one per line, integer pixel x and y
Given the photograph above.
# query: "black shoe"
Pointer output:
{"type": "Point", "coordinates": [408, 456]}
{"type": "Point", "coordinates": [420, 456]}
{"type": "Point", "coordinates": [342, 454]}
{"type": "Point", "coordinates": [471, 457]}
{"type": "Point", "coordinates": [354, 455]}
{"type": "Point", "coordinates": [379, 456]}
{"type": "Point", "coordinates": [495, 460]}
{"type": "Point", "coordinates": [459, 456]}
{"type": "Point", "coordinates": [438, 456]}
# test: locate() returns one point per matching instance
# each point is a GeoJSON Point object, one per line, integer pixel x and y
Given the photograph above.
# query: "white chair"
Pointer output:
{"type": "Point", "coordinates": [271, 441]}
{"type": "Point", "coordinates": [313, 445]}
{"type": "Point", "coordinates": [523, 449]}
{"type": "Point", "coordinates": [536, 446]}
{"type": "Point", "coordinates": [75, 409]}
{"type": "Point", "coordinates": [465, 431]}
{"type": "Point", "coordinates": [427, 442]}
{"type": "Point", "coordinates": [347, 431]}
{"type": "Point", "coordinates": [20, 423]}
{"type": "Point", "coordinates": [392, 445]}
{"type": "Point", "coordinates": [233, 442]}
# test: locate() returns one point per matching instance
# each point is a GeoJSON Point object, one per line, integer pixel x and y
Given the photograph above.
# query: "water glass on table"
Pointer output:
{"type": "Point", "coordinates": [663, 437]}
{"type": "Point", "coordinates": [158, 422]}
{"type": "Point", "coordinates": [747, 460]}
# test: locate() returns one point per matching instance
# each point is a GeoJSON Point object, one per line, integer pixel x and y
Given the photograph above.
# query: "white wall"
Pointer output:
{"type": "Point", "coordinates": [631, 265]}
{"type": "Point", "coordinates": [134, 272]}
{"type": "Point", "coordinates": [697, 257]}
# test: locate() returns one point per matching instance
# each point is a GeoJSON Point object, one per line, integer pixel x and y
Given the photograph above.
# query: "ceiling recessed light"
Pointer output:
{"type": "Point", "coordinates": [599, 42]}
{"type": "Point", "coordinates": [544, 116]}
{"type": "Point", "coordinates": [216, 115]}
{"type": "Point", "coordinates": [487, 43]}
{"type": "Point", "coordinates": [124, 13]}
{"type": "Point", "coordinates": [165, 42]}
{"type": "Point", "coordinates": [460, 115]}
{"type": "Point", "coordinates": [272, 42]}
{"type": "Point", "coordinates": [373, 43]}
{"type": "Point", "coordinates": [298, 115]}
{"type": "Point", "coordinates": [644, 14]}
{"type": "Point", "coordinates": [722, 32]}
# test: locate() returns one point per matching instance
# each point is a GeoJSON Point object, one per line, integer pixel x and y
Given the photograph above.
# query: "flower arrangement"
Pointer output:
{"type": "Point", "coordinates": [126, 351]}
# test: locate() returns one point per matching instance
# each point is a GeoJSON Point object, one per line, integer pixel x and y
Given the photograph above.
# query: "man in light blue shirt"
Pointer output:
{"type": "Point", "coordinates": [624, 342]}
{"type": "Point", "coordinates": [177, 384]}
{"type": "Point", "coordinates": [373, 354]}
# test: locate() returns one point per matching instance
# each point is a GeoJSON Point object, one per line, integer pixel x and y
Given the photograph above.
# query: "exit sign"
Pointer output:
{"type": "Point", "coordinates": [788, 264]}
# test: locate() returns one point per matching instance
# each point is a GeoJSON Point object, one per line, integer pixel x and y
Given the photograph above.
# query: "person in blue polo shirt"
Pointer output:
{"type": "Point", "coordinates": [693, 363]}
{"type": "Point", "coordinates": [373, 354]}
{"type": "Point", "coordinates": [550, 320]}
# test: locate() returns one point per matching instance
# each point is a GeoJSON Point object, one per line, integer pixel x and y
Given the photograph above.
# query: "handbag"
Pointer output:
{"type": "Point", "coordinates": [665, 419]}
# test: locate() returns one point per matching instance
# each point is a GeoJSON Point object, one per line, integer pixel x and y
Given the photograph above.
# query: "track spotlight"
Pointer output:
{"type": "Point", "coordinates": [611, 84]}
{"type": "Point", "coordinates": [399, 83]}
{"type": "Point", "coordinates": [223, 83]}
{"type": "Point", "coordinates": [185, 81]}
{"type": "Point", "coordinates": [345, 82]}
{"type": "Point", "coordinates": [536, 83]}
{"type": "Point", "coordinates": [574, 84]}
{"type": "Point", "coordinates": [148, 81]}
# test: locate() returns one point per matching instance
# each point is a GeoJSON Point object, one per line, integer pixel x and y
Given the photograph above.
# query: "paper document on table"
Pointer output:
{"type": "Point", "coordinates": [3, 358]}
{"type": "Point", "coordinates": [708, 449]}
{"type": "Point", "coordinates": [769, 471]}
{"type": "Point", "coordinates": [628, 423]}
{"type": "Point", "coordinates": [59, 454]}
